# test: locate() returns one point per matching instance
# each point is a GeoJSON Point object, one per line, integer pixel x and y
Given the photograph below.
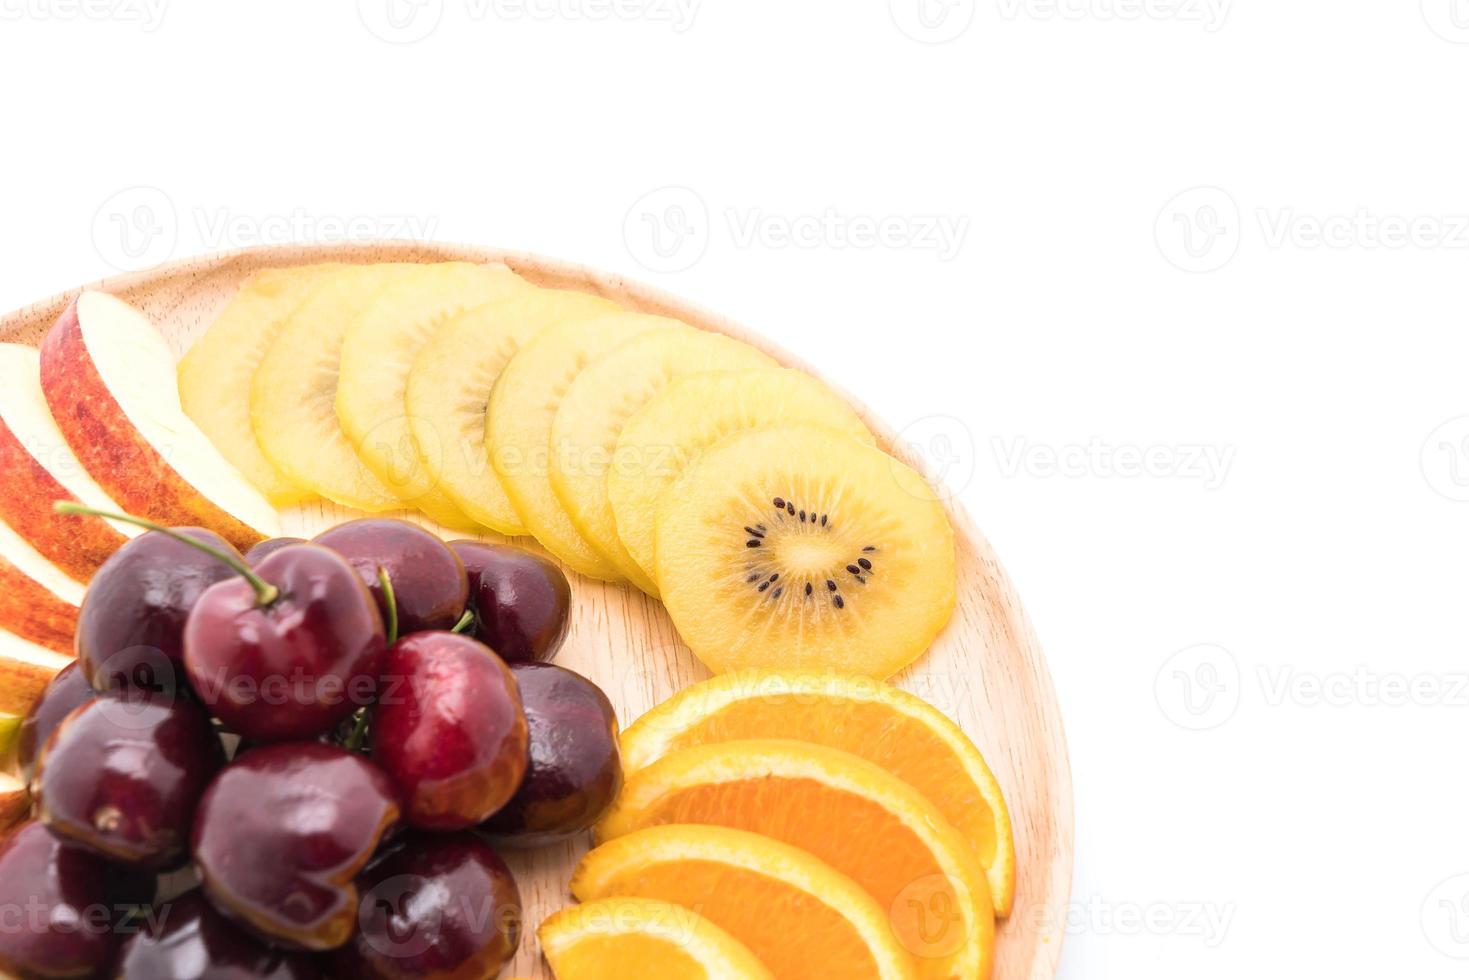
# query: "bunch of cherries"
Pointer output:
{"type": "Point", "coordinates": [333, 734]}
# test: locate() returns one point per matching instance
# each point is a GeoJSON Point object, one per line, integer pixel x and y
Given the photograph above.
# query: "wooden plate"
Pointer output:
{"type": "Point", "coordinates": [986, 670]}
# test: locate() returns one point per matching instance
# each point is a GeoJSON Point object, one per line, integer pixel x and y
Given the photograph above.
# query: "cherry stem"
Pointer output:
{"type": "Point", "coordinates": [265, 593]}
{"type": "Point", "coordinates": [390, 599]}
{"type": "Point", "coordinates": [359, 731]}
{"type": "Point", "coordinates": [465, 622]}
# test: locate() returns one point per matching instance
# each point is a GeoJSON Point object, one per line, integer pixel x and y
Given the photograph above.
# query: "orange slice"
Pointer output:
{"type": "Point", "coordinates": [888, 727]}
{"type": "Point", "coordinates": [642, 939]}
{"type": "Point", "coordinates": [797, 915]}
{"type": "Point", "coordinates": [863, 822]}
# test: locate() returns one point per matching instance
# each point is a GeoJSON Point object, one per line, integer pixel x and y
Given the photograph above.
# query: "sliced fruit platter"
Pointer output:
{"type": "Point", "coordinates": [495, 617]}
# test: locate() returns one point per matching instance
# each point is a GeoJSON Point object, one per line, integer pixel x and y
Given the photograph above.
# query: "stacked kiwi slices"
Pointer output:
{"type": "Point", "coordinates": [751, 498]}
{"type": "Point", "coordinates": [635, 448]}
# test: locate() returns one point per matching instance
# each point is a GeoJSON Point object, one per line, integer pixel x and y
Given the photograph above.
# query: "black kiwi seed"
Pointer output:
{"type": "Point", "coordinates": [791, 509]}
{"type": "Point", "coordinates": [753, 578]}
{"type": "Point", "coordinates": [869, 549]}
{"type": "Point", "coordinates": [831, 586]}
{"type": "Point", "coordinates": [854, 569]}
{"type": "Point", "coordinates": [823, 520]}
{"type": "Point", "coordinates": [780, 503]}
{"type": "Point", "coordinates": [754, 532]}
{"type": "Point", "coordinates": [865, 563]}
{"type": "Point", "coordinates": [836, 600]}
{"type": "Point", "coordinates": [777, 592]}
{"type": "Point", "coordinates": [763, 586]}
{"type": "Point", "coordinates": [808, 588]}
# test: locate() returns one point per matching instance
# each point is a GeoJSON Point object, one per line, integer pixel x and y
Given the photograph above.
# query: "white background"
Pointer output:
{"type": "Point", "coordinates": [1220, 436]}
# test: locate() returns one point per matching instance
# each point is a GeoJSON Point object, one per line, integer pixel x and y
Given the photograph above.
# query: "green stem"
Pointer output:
{"type": "Point", "coordinates": [465, 622]}
{"type": "Point", "coordinates": [359, 731]}
{"type": "Point", "coordinates": [265, 593]}
{"type": "Point", "coordinates": [390, 599]}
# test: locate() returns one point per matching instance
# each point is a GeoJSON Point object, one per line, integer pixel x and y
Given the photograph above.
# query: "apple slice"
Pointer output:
{"type": "Point", "coordinates": [38, 469]}
{"type": "Point", "coordinates": [377, 356]}
{"type": "Point", "coordinates": [110, 380]}
{"type": "Point", "coordinates": [215, 375]}
{"type": "Point", "coordinates": [15, 801]}
{"type": "Point", "coordinates": [25, 670]}
{"type": "Point", "coordinates": [33, 612]}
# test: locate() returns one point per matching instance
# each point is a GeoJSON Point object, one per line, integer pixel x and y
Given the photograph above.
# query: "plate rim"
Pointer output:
{"type": "Point", "coordinates": [555, 272]}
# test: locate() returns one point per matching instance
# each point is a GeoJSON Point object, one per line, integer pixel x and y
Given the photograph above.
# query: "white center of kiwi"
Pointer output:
{"type": "Point", "coordinates": [798, 553]}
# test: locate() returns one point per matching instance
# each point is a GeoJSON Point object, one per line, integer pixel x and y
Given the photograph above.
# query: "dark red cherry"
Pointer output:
{"type": "Point", "coordinates": [188, 940]}
{"type": "Point", "coordinates": [428, 579]}
{"type": "Point", "coordinates": [575, 765]}
{"type": "Point", "coordinates": [268, 547]}
{"type": "Point", "coordinates": [131, 626]}
{"type": "Point", "coordinates": [521, 602]}
{"type": "Point", "coordinates": [449, 729]}
{"type": "Point", "coordinates": [293, 662]}
{"type": "Point", "coordinates": [121, 777]}
{"type": "Point", "coordinates": [433, 906]}
{"type": "Point", "coordinates": [282, 832]}
{"type": "Point", "coordinates": [65, 692]}
{"type": "Point", "coordinates": [58, 907]}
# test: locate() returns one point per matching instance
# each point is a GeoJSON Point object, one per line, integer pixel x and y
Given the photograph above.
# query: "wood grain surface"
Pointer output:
{"type": "Point", "coordinates": [986, 670]}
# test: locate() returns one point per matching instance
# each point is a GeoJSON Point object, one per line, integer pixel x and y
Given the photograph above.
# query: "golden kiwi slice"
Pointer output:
{"type": "Point", "coordinates": [598, 405]}
{"type": "Point", "coordinates": [694, 413]}
{"type": "Point", "coordinates": [798, 546]}
{"type": "Point", "coordinates": [518, 426]}
{"type": "Point", "coordinates": [449, 393]}
{"type": "Point", "coordinates": [378, 352]}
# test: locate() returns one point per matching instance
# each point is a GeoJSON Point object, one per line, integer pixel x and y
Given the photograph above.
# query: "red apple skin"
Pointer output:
{"type": "Point", "coordinates": [75, 543]}
{"type": "Point", "coordinates": [21, 684]}
{"type": "Point", "coordinates": [450, 730]}
{"type": "Point", "coordinates": [33, 612]}
{"type": "Point", "coordinates": [116, 455]}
